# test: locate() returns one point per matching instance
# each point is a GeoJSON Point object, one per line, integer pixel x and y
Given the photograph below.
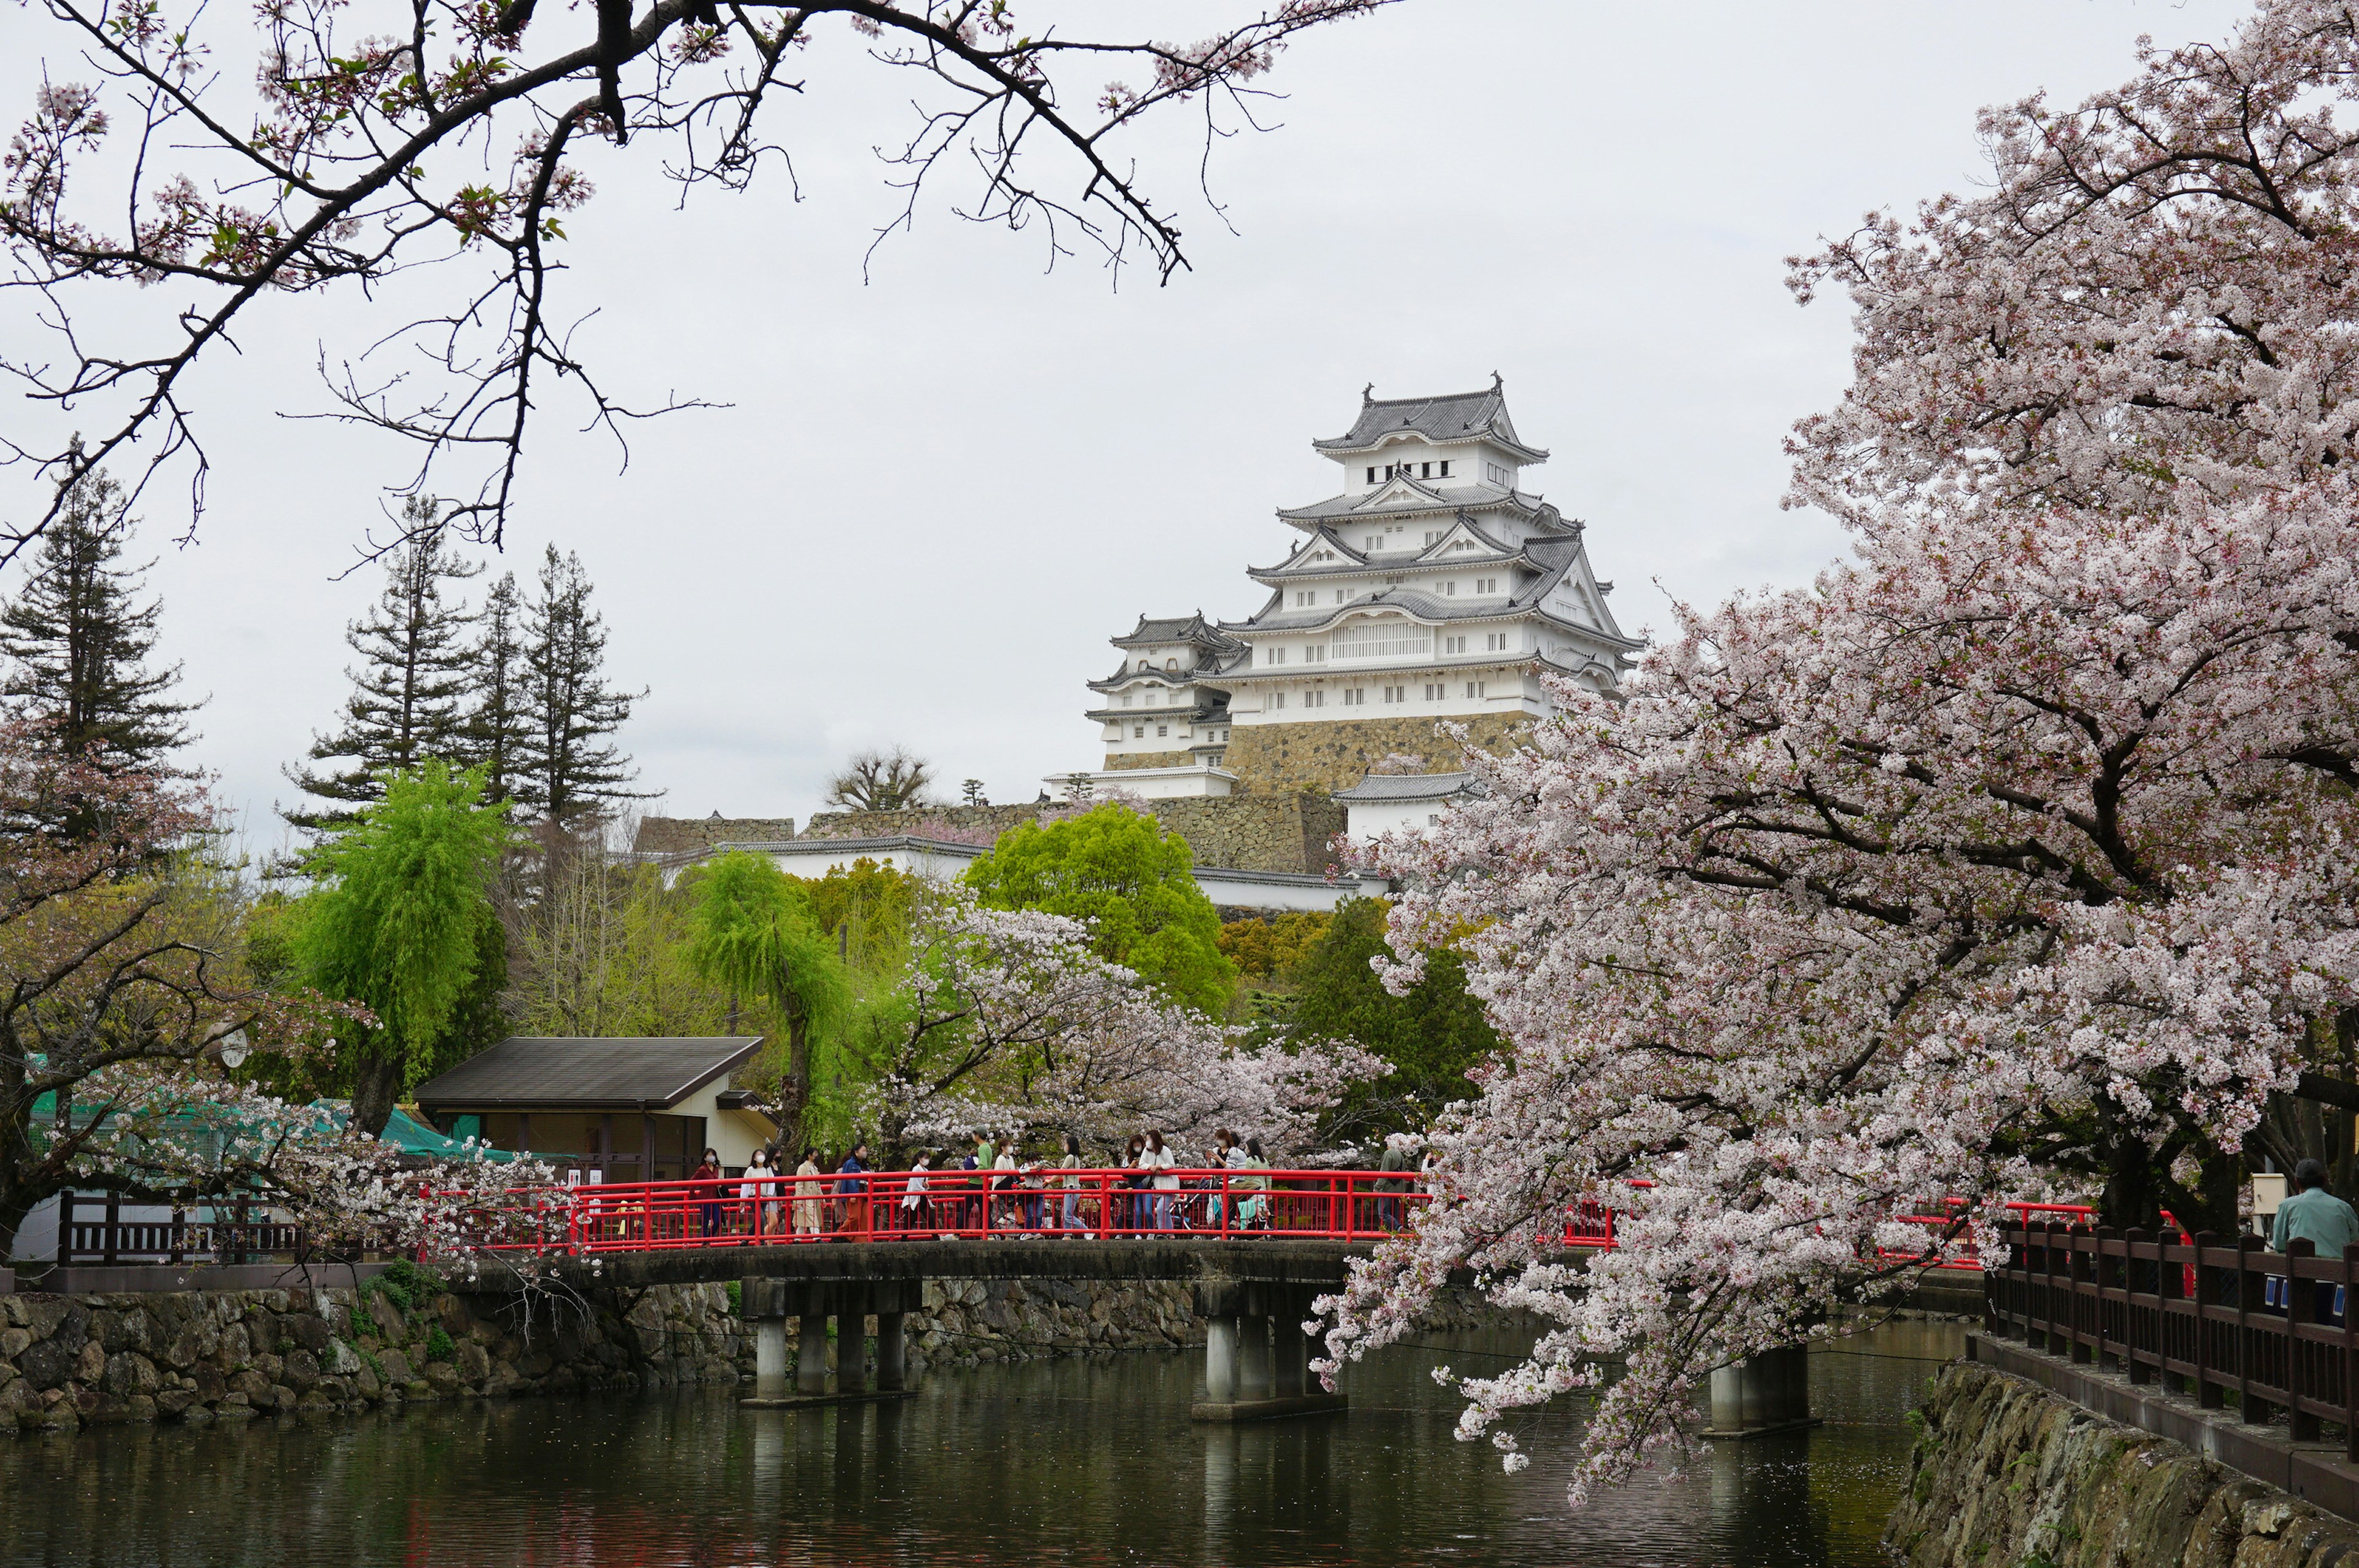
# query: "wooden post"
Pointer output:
{"type": "Point", "coordinates": [2139, 1372]}
{"type": "Point", "coordinates": [113, 1231]}
{"type": "Point", "coordinates": [2350, 1353]}
{"type": "Point", "coordinates": [2208, 1392]}
{"type": "Point", "coordinates": [2047, 1277]}
{"type": "Point", "coordinates": [2301, 1308]}
{"type": "Point", "coordinates": [2248, 1409]}
{"type": "Point", "coordinates": [2097, 1239]}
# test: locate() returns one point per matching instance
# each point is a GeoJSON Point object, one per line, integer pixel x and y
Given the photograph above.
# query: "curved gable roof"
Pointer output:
{"type": "Point", "coordinates": [1456, 416]}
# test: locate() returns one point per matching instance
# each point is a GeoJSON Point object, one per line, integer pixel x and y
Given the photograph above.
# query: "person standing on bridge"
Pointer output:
{"type": "Point", "coordinates": [914, 1213]}
{"type": "Point", "coordinates": [1071, 1217]}
{"type": "Point", "coordinates": [852, 1192]}
{"type": "Point", "coordinates": [1159, 1159]}
{"type": "Point", "coordinates": [810, 1204]}
{"type": "Point", "coordinates": [707, 1192]}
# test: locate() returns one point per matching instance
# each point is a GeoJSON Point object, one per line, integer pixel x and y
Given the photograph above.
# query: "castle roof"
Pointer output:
{"type": "Point", "coordinates": [1172, 629]}
{"type": "Point", "coordinates": [1459, 417]}
{"type": "Point", "coordinates": [1375, 788]}
{"type": "Point", "coordinates": [1407, 497]}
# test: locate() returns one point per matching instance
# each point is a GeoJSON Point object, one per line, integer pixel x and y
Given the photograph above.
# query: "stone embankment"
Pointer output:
{"type": "Point", "coordinates": [2005, 1475]}
{"type": "Point", "coordinates": [199, 1357]}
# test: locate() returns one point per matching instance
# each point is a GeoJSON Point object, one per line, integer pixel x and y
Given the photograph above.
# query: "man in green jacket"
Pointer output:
{"type": "Point", "coordinates": [2314, 1214]}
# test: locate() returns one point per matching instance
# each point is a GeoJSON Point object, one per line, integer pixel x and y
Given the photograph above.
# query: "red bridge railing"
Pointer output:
{"type": "Point", "coordinates": [885, 1205]}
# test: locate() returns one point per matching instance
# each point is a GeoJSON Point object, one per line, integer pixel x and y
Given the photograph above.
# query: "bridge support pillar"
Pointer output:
{"type": "Point", "coordinates": [1253, 1357]}
{"type": "Point", "coordinates": [1220, 1360]}
{"type": "Point", "coordinates": [810, 1366]}
{"type": "Point", "coordinates": [1763, 1394]}
{"type": "Point", "coordinates": [892, 1353]}
{"type": "Point", "coordinates": [1239, 1364]}
{"type": "Point", "coordinates": [768, 1303]}
{"type": "Point", "coordinates": [1290, 1355]}
{"type": "Point", "coordinates": [851, 1352]}
{"type": "Point", "coordinates": [770, 1358]}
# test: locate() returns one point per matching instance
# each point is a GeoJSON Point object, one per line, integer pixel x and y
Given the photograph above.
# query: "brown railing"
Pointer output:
{"type": "Point", "coordinates": [95, 1232]}
{"type": "Point", "coordinates": [2224, 1315]}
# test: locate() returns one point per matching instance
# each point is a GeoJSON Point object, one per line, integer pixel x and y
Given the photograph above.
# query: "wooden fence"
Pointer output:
{"type": "Point", "coordinates": [94, 1232]}
{"type": "Point", "coordinates": [2223, 1314]}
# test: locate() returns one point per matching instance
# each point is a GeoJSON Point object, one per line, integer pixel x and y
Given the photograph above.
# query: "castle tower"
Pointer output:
{"type": "Point", "coordinates": [1431, 586]}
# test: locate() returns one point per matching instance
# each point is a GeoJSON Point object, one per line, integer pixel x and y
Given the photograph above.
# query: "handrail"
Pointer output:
{"type": "Point", "coordinates": [787, 1209]}
{"type": "Point", "coordinates": [2207, 1315]}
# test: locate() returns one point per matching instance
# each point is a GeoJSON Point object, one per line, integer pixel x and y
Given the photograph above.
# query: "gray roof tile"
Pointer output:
{"type": "Point", "coordinates": [1406, 786]}
{"type": "Point", "coordinates": [1455, 418]}
{"type": "Point", "coordinates": [537, 1073]}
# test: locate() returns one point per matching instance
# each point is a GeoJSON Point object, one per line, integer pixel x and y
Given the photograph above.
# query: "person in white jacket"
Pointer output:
{"type": "Point", "coordinates": [1159, 1159]}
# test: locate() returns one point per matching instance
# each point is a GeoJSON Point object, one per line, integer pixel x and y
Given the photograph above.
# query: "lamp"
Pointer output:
{"type": "Point", "coordinates": [235, 1049]}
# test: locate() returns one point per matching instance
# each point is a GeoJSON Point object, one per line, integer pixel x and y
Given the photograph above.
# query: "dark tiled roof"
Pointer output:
{"type": "Point", "coordinates": [1174, 629]}
{"type": "Point", "coordinates": [1405, 787]}
{"type": "Point", "coordinates": [1433, 498]}
{"type": "Point", "coordinates": [1456, 417]}
{"type": "Point", "coordinates": [538, 1073]}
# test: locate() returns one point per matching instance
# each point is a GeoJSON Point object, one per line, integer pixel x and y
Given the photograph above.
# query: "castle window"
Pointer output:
{"type": "Point", "coordinates": [1138, 732]}
{"type": "Point", "coordinates": [1273, 655]}
{"type": "Point", "coordinates": [1314, 655]}
{"type": "Point", "coordinates": [1445, 468]}
{"type": "Point", "coordinates": [1425, 470]}
{"type": "Point", "coordinates": [1372, 542]}
{"type": "Point", "coordinates": [1473, 689]}
{"type": "Point", "coordinates": [1396, 693]}
{"type": "Point", "coordinates": [1343, 596]}
{"type": "Point", "coordinates": [1430, 538]}
{"type": "Point", "coordinates": [1454, 644]}
{"type": "Point", "coordinates": [1486, 585]}
{"type": "Point", "coordinates": [1379, 638]}
{"type": "Point", "coordinates": [1314, 699]}
{"type": "Point", "coordinates": [1434, 692]}
{"type": "Point", "coordinates": [1278, 700]}
{"type": "Point", "coordinates": [1492, 641]}
{"type": "Point", "coordinates": [1450, 589]}
{"type": "Point", "coordinates": [1352, 697]}
{"type": "Point", "coordinates": [1371, 475]}
{"type": "Point", "coordinates": [1171, 664]}
{"type": "Point", "coordinates": [1163, 729]}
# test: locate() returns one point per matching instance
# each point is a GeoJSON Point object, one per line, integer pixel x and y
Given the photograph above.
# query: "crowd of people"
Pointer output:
{"type": "Point", "coordinates": [1004, 1186]}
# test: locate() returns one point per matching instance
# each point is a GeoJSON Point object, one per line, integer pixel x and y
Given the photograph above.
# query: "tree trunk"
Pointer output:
{"type": "Point", "coordinates": [376, 1082]}
{"type": "Point", "coordinates": [794, 1094]}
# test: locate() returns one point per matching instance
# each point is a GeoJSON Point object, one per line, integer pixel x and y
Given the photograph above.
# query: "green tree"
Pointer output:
{"type": "Point", "coordinates": [751, 928]}
{"type": "Point", "coordinates": [569, 770]}
{"type": "Point", "coordinates": [498, 729]}
{"type": "Point", "coordinates": [1431, 1036]}
{"type": "Point", "coordinates": [409, 689]}
{"type": "Point", "coordinates": [402, 921]}
{"type": "Point", "coordinates": [78, 638]}
{"type": "Point", "coordinates": [1134, 883]}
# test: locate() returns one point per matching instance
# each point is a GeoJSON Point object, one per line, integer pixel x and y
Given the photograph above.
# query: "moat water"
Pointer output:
{"type": "Point", "coordinates": [1080, 1462]}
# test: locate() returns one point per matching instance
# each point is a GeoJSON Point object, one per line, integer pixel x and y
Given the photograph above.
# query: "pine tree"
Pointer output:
{"type": "Point", "coordinates": [571, 769]}
{"type": "Point", "coordinates": [78, 641]}
{"type": "Point", "coordinates": [410, 687]}
{"type": "Point", "coordinates": [499, 728]}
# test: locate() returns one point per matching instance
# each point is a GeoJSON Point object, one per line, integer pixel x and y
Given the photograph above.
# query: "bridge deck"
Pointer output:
{"type": "Point", "coordinates": [1270, 1262]}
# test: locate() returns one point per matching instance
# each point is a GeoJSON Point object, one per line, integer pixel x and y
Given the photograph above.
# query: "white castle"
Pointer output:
{"type": "Point", "coordinates": [1432, 586]}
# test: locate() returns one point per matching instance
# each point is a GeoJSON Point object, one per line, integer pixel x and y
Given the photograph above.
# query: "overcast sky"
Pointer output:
{"type": "Point", "coordinates": [935, 493]}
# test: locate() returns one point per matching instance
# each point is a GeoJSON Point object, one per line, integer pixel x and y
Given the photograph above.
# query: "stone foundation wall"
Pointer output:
{"type": "Point", "coordinates": [1271, 759]}
{"type": "Point", "coordinates": [978, 824]}
{"type": "Point", "coordinates": [205, 1356]}
{"type": "Point", "coordinates": [1271, 832]}
{"type": "Point", "coordinates": [2005, 1474]}
{"type": "Point", "coordinates": [1179, 759]}
{"type": "Point", "coordinates": [201, 1357]}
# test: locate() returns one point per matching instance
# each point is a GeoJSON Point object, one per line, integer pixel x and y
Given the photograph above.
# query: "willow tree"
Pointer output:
{"type": "Point", "coordinates": [752, 929]}
{"type": "Point", "coordinates": [403, 924]}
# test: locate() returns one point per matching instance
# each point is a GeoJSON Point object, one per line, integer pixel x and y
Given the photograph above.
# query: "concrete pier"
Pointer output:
{"type": "Point", "coordinates": [769, 1303]}
{"type": "Point", "coordinates": [1763, 1394]}
{"type": "Point", "coordinates": [1256, 1357]}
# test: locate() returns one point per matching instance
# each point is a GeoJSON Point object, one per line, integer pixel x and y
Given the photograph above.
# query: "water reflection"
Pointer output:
{"type": "Point", "coordinates": [1068, 1462]}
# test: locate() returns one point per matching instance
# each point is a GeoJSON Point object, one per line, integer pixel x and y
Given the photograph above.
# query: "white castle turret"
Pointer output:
{"type": "Point", "coordinates": [1431, 586]}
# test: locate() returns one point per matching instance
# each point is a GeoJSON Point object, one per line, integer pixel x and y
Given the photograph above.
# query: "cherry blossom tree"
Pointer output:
{"type": "Point", "coordinates": [1008, 1019]}
{"type": "Point", "coordinates": [391, 136]}
{"type": "Point", "coordinates": [2017, 851]}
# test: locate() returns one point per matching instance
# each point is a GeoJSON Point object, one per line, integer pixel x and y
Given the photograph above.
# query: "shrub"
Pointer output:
{"type": "Point", "coordinates": [438, 1346]}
